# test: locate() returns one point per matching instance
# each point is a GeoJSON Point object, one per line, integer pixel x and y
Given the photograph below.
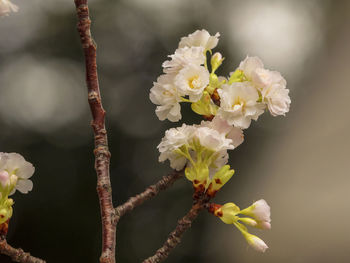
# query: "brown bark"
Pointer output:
{"type": "Point", "coordinates": [102, 154]}
{"type": "Point", "coordinates": [174, 238]}
{"type": "Point", "coordinates": [150, 192]}
{"type": "Point", "coordinates": [17, 254]}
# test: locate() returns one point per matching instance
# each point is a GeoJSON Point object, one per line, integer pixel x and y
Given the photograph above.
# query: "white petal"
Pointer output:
{"type": "Point", "coordinates": [25, 171]}
{"type": "Point", "coordinates": [24, 186]}
{"type": "Point", "coordinates": [249, 65]}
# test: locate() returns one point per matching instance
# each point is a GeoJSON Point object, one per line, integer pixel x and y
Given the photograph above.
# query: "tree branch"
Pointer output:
{"type": "Point", "coordinates": [17, 254]}
{"type": "Point", "coordinates": [174, 238]}
{"type": "Point", "coordinates": [102, 154]}
{"type": "Point", "coordinates": [150, 192]}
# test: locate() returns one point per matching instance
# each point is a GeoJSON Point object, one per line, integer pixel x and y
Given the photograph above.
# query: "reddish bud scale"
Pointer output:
{"type": "Point", "coordinates": [208, 117]}
{"type": "Point", "coordinates": [4, 228]}
{"type": "Point", "coordinates": [213, 208]}
{"type": "Point", "coordinates": [199, 187]}
{"type": "Point", "coordinates": [215, 97]}
{"type": "Point", "coordinates": [210, 191]}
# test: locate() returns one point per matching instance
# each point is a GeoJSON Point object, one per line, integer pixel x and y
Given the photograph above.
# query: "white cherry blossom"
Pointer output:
{"type": "Point", "coordinates": [238, 104]}
{"type": "Point", "coordinates": [270, 84]}
{"type": "Point", "coordinates": [249, 65]}
{"type": "Point", "coordinates": [183, 57]}
{"type": "Point", "coordinates": [277, 99]}
{"type": "Point", "coordinates": [186, 135]}
{"type": "Point", "coordinates": [213, 140]}
{"type": "Point", "coordinates": [165, 94]}
{"type": "Point", "coordinates": [200, 38]}
{"type": "Point", "coordinates": [15, 165]}
{"type": "Point", "coordinates": [192, 80]}
{"type": "Point", "coordinates": [175, 138]}
{"type": "Point", "coordinates": [221, 125]}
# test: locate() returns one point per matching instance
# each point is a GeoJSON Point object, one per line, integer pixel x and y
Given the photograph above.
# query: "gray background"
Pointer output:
{"type": "Point", "coordinates": [299, 164]}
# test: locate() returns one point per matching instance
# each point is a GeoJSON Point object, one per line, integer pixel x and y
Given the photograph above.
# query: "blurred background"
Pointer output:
{"type": "Point", "coordinates": [299, 164]}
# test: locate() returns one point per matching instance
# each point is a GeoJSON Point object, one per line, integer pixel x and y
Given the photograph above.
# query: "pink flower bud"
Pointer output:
{"type": "Point", "coordinates": [4, 178]}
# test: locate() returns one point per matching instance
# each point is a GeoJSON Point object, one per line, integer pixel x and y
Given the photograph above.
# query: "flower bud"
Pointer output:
{"type": "Point", "coordinates": [220, 178]}
{"type": "Point", "coordinates": [248, 221]}
{"type": "Point", "coordinates": [4, 178]}
{"type": "Point", "coordinates": [264, 225]}
{"type": "Point", "coordinates": [260, 211]}
{"type": "Point", "coordinates": [13, 179]}
{"type": "Point", "coordinates": [216, 61]}
{"type": "Point", "coordinates": [255, 223]}
{"type": "Point", "coordinates": [255, 242]}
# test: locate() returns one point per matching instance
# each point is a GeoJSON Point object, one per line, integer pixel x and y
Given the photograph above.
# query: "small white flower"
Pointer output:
{"type": "Point", "coordinates": [221, 125]}
{"type": "Point", "coordinates": [7, 7]}
{"type": "Point", "coordinates": [257, 243]}
{"type": "Point", "coordinates": [186, 135]}
{"type": "Point", "coordinates": [263, 78]}
{"type": "Point", "coordinates": [213, 140]}
{"type": "Point", "coordinates": [15, 165]}
{"type": "Point", "coordinates": [277, 99]}
{"type": "Point", "coordinates": [238, 104]}
{"type": "Point", "coordinates": [200, 38]}
{"type": "Point", "coordinates": [192, 80]}
{"type": "Point", "coordinates": [165, 94]}
{"type": "Point", "coordinates": [177, 161]}
{"type": "Point", "coordinates": [270, 84]}
{"type": "Point", "coordinates": [175, 138]}
{"type": "Point", "coordinates": [183, 57]}
{"type": "Point", "coordinates": [249, 65]}
{"type": "Point", "coordinates": [273, 90]}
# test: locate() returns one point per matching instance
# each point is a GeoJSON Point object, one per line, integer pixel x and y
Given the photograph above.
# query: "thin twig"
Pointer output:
{"type": "Point", "coordinates": [102, 154]}
{"type": "Point", "coordinates": [150, 192]}
{"type": "Point", "coordinates": [17, 254]}
{"type": "Point", "coordinates": [174, 237]}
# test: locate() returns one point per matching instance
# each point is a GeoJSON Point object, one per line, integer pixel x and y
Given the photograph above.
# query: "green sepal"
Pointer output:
{"type": "Point", "coordinates": [237, 76]}
{"type": "Point", "coordinates": [204, 106]}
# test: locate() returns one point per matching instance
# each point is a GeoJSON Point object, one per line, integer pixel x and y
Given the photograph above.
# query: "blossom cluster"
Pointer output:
{"type": "Point", "coordinates": [228, 104]}
{"type": "Point", "coordinates": [7, 7]}
{"type": "Point", "coordinates": [202, 149]}
{"type": "Point", "coordinates": [15, 172]}
{"type": "Point", "coordinates": [238, 99]}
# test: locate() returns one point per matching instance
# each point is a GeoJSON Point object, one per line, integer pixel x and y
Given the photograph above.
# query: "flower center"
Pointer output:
{"type": "Point", "coordinates": [238, 101]}
{"type": "Point", "coordinates": [194, 82]}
